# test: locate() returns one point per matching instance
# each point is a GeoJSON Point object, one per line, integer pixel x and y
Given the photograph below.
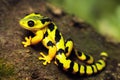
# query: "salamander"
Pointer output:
{"type": "Point", "coordinates": [47, 33]}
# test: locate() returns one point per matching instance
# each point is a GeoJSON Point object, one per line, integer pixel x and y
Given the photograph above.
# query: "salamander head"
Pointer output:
{"type": "Point", "coordinates": [34, 22]}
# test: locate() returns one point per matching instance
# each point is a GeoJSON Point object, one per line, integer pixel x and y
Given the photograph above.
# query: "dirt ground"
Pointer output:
{"type": "Point", "coordinates": [25, 60]}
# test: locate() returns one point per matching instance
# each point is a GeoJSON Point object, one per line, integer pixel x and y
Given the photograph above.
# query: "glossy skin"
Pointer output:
{"type": "Point", "coordinates": [48, 34]}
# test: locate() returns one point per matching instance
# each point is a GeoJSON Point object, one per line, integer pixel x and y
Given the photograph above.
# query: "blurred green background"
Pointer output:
{"type": "Point", "coordinates": [103, 15]}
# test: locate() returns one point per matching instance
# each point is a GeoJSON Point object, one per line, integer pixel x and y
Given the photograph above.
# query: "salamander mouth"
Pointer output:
{"type": "Point", "coordinates": [22, 24]}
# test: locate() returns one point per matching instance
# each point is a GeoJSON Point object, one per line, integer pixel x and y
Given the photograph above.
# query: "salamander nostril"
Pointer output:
{"type": "Point", "coordinates": [31, 23]}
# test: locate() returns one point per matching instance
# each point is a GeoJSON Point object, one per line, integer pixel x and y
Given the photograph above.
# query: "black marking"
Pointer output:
{"type": "Point", "coordinates": [73, 51]}
{"type": "Point", "coordinates": [66, 50]}
{"type": "Point", "coordinates": [45, 20]}
{"type": "Point", "coordinates": [87, 58]}
{"type": "Point", "coordinates": [71, 67]}
{"type": "Point", "coordinates": [60, 51]}
{"type": "Point", "coordinates": [37, 13]}
{"type": "Point", "coordinates": [45, 35]}
{"type": "Point", "coordinates": [26, 14]}
{"type": "Point", "coordinates": [79, 53]}
{"type": "Point", "coordinates": [68, 40]}
{"type": "Point", "coordinates": [57, 36]}
{"type": "Point", "coordinates": [99, 63]}
{"type": "Point", "coordinates": [85, 69]}
{"type": "Point", "coordinates": [78, 72]}
{"type": "Point", "coordinates": [51, 26]}
{"type": "Point", "coordinates": [60, 65]}
{"type": "Point", "coordinates": [92, 69]}
{"type": "Point", "coordinates": [50, 43]}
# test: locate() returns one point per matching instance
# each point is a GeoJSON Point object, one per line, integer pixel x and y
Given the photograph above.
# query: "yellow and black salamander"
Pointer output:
{"type": "Point", "coordinates": [48, 34]}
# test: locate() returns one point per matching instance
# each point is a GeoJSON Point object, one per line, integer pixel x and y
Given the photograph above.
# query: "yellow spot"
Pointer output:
{"type": "Point", "coordinates": [94, 68]}
{"type": "Point", "coordinates": [100, 66]}
{"type": "Point", "coordinates": [70, 45]}
{"type": "Point", "coordinates": [82, 69]}
{"type": "Point", "coordinates": [89, 70]}
{"type": "Point", "coordinates": [104, 54]}
{"type": "Point", "coordinates": [75, 68]}
{"type": "Point", "coordinates": [91, 60]}
{"type": "Point", "coordinates": [66, 64]}
{"type": "Point", "coordinates": [82, 57]}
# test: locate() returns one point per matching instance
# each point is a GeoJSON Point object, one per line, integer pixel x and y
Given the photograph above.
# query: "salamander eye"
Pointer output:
{"type": "Point", "coordinates": [31, 23]}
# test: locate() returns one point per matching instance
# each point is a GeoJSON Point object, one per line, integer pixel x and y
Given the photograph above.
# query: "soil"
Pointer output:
{"type": "Point", "coordinates": [25, 60]}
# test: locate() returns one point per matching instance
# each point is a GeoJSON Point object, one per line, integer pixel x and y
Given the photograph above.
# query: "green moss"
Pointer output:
{"type": "Point", "coordinates": [6, 69]}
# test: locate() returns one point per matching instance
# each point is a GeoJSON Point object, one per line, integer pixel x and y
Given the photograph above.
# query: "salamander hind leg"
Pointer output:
{"type": "Point", "coordinates": [48, 58]}
{"type": "Point", "coordinates": [51, 52]}
{"type": "Point", "coordinates": [45, 58]}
